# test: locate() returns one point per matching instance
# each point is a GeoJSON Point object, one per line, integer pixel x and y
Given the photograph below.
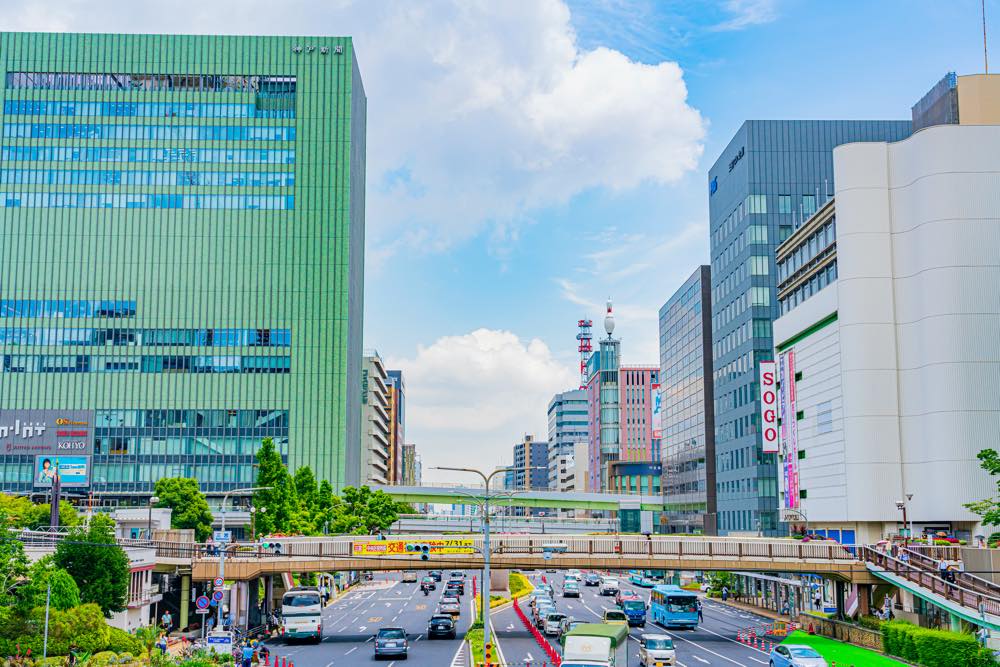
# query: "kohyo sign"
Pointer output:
{"type": "Point", "coordinates": [768, 407]}
{"type": "Point", "coordinates": [59, 442]}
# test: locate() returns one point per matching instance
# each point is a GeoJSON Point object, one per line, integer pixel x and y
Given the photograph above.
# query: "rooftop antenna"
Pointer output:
{"type": "Point", "coordinates": [609, 320]}
{"type": "Point", "coordinates": [986, 59]}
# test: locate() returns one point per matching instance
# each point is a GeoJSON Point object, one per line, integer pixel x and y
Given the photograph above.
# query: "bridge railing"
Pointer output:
{"type": "Point", "coordinates": [929, 563]}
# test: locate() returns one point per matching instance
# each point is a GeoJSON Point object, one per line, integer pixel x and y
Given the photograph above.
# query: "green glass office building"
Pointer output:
{"type": "Point", "coordinates": [181, 259]}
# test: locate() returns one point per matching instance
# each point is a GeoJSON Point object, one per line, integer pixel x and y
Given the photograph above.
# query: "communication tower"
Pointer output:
{"type": "Point", "coordinates": [585, 337]}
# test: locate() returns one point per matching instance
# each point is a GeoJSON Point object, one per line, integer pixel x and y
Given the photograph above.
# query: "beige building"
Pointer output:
{"type": "Point", "coordinates": [376, 457]}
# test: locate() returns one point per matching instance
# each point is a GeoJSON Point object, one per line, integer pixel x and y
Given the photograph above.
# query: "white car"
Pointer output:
{"type": "Point", "coordinates": [656, 651]}
{"type": "Point", "coordinates": [796, 655]}
{"type": "Point", "coordinates": [553, 623]}
{"type": "Point", "coordinates": [409, 577]}
{"type": "Point", "coordinates": [608, 586]}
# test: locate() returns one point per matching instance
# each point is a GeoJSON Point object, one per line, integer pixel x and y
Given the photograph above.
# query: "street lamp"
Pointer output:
{"type": "Point", "coordinates": [149, 519]}
{"type": "Point", "coordinates": [253, 514]}
{"type": "Point", "coordinates": [485, 588]}
{"type": "Point", "coordinates": [908, 527]}
{"type": "Point", "coordinates": [222, 554]}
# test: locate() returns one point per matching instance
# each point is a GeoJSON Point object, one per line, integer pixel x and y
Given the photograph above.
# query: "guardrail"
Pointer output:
{"type": "Point", "coordinates": [970, 581]}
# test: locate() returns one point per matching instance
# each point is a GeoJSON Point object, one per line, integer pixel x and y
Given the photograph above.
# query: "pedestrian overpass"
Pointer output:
{"type": "Point", "coordinates": [464, 495]}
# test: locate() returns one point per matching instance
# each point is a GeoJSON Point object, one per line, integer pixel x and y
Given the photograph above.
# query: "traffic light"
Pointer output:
{"type": "Point", "coordinates": [488, 654]}
{"type": "Point", "coordinates": [423, 549]}
{"type": "Point", "coordinates": [268, 545]}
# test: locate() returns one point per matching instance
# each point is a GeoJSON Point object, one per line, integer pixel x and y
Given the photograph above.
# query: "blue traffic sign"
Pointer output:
{"type": "Point", "coordinates": [217, 596]}
{"type": "Point", "coordinates": [202, 602]}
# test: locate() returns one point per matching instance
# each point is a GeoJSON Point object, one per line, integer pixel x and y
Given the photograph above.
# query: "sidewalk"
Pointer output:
{"type": "Point", "coordinates": [760, 611]}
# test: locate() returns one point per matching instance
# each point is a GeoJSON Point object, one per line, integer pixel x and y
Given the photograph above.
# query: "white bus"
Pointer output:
{"type": "Point", "coordinates": [302, 614]}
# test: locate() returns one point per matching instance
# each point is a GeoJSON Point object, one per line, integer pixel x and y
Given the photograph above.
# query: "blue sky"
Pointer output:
{"type": "Point", "coordinates": [527, 159]}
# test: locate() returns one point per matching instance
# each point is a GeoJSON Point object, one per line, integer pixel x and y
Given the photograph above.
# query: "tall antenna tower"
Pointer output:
{"type": "Point", "coordinates": [585, 337]}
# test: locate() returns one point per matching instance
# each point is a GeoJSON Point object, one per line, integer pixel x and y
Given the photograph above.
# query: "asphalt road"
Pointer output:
{"type": "Point", "coordinates": [350, 623]}
{"type": "Point", "coordinates": [711, 644]}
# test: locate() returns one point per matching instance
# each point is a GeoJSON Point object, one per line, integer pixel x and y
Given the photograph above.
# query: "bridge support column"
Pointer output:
{"type": "Point", "coordinates": [864, 599]}
{"type": "Point", "coordinates": [838, 587]}
{"type": "Point", "coordinates": [185, 600]}
{"type": "Point", "coordinates": [955, 623]}
{"type": "Point", "coordinates": [499, 580]}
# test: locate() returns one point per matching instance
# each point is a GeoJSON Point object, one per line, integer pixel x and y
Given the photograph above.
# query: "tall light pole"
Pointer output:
{"type": "Point", "coordinates": [485, 588]}
{"type": "Point", "coordinates": [222, 554]}
{"type": "Point", "coordinates": [908, 527]}
{"type": "Point", "coordinates": [149, 519]}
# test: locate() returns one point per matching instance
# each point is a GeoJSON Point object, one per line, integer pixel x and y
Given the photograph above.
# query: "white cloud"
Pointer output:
{"type": "Point", "coordinates": [747, 13]}
{"type": "Point", "coordinates": [471, 397]}
{"type": "Point", "coordinates": [480, 112]}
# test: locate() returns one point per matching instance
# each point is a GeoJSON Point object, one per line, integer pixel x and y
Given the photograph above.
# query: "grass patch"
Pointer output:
{"type": "Point", "coordinates": [847, 655]}
{"type": "Point", "coordinates": [495, 601]}
{"type": "Point", "coordinates": [519, 585]}
{"type": "Point", "coordinates": [475, 638]}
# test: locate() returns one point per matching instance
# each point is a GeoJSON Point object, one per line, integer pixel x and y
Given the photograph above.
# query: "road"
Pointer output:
{"type": "Point", "coordinates": [350, 623]}
{"type": "Point", "coordinates": [711, 644]}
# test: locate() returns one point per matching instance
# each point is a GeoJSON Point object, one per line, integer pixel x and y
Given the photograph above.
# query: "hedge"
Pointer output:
{"type": "Point", "coordinates": [519, 585]}
{"type": "Point", "coordinates": [120, 641]}
{"type": "Point", "coordinates": [933, 648]}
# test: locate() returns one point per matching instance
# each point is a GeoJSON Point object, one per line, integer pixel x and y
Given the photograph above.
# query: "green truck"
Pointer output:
{"type": "Point", "coordinates": [595, 645]}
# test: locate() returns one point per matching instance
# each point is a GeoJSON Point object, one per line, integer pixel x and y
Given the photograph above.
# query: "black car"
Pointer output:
{"type": "Point", "coordinates": [441, 625]}
{"type": "Point", "coordinates": [592, 579]}
{"type": "Point", "coordinates": [391, 643]}
{"type": "Point", "coordinates": [457, 584]}
{"type": "Point", "coordinates": [435, 574]}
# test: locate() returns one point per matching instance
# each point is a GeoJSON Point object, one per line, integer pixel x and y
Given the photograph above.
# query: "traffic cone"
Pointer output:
{"type": "Point", "coordinates": [291, 664]}
{"type": "Point", "coordinates": [284, 662]}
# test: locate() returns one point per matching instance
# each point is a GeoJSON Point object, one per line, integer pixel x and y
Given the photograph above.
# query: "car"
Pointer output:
{"type": "Point", "coordinates": [573, 572]}
{"type": "Point", "coordinates": [553, 623]}
{"type": "Point", "coordinates": [449, 605]}
{"type": "Point", "coordinates": [614, 617]}
{"type": "Point", "coordinates": [456, 583]}
{"type": "Point", "coordinates": [544, 587]}
{"type": "Point", "coordinates": [428, 583]}
{"type": "Point", "coordinates": [609, 586]}
{"type": "Point", "coordinates": [592, 579]}
{"type": "Point", "coordinates": [409, 577]}
{"type": "Point", "coordinates": [541, 611]}
{"type": "Point", "coordinates": [796, 655]}
{"type": "Point", "coordinates": [622, 595]}
{"type": "Point", "coordinates": [571, 589]}
{"type": "Point", "coordinates": [568, 624]}
{"type": "Point", "coordinates": [656, 651]}
{"type": "Point", "coordinates": [551, 570]}
{"type": "Point", "coordinates": [435, 574]}
{"type": "Point", "coordinates": [457, 574]}
{"type": "Point", "coordinates": [441, 625]}
{"type": "Point", "coordinates": [391, 643]}
{"type": "Point", "coordinates": [536, 595]}
{"type": "Point", "coordinates": [571, 577]}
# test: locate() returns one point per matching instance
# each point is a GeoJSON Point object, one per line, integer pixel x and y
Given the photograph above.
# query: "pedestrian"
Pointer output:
{"type": "Point", "coordinates": [701, 613]}
{"type": "Point", "coordinates": [161, 644]}
{"type": "Point", "coordinates": [72, 656]}
{"type": "Point", "coordinates": [983, 636]}
{"type": "Point", "coordinates": [904, 556]}
{"type": "Point", "coordinates": [247, 655]}
{"type": "Point", "coordinates": [167, 621]}
{"type": "Point", "coordinates": [725, 593]}
{"type": "Point", "coordinates": [210, 546]}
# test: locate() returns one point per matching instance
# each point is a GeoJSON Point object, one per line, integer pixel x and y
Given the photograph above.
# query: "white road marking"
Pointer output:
{"type": "Point", "coordinates": [701, 659]}
{"type": "Point", "coordinates": [530, 657]}
{"type": "Point", "coordinates": [352, 651]}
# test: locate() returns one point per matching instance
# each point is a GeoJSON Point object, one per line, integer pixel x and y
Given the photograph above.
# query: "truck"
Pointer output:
{"type": "Point", "coordinates": [635, 611]}
{"type": "Point", "coordinates": [595, 645]}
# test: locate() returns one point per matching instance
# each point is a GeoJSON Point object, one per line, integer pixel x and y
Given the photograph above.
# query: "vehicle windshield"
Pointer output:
{"type": "Point", "coordinates": [610, 582]}
{"type": "Point", "coordinates": [440, 618]}
{"type": "Point", "coordinates": [631, 605]}
{"type": "Point", "coordinates": [803, 652]}
{"type": "Point", "coordinates": [614, 616]}
{"type": "Point", "coordinates": [300, 600]}
{"type": "Point", "coordinates": [395, 633]}
{"type": "Point", "coordinates": [683, 605]}
{"type": "Point", "coordinates": [449, 600]}
{"type": "Point", "coordinates": [659, 644]}
{"type": "Point", "coordinates": [555, 618]}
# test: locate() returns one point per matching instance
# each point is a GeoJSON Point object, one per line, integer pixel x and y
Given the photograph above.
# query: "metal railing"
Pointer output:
{"type": "Point", "coordinates": [931, 564]}
{"type": "Point", "coordinates": [960, 593]}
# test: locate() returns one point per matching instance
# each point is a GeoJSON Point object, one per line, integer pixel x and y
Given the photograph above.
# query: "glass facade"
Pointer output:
{"type": "Point", "coordinates": [770, 178]}
{"type": "Point", "coordinates": [567, 426]}
{"type": "Point", "coordinates": [687, 408]}
{"type": "Point", "coordinates": [809, 265]}
{"type": "Point", "coordinates": [219, 217]}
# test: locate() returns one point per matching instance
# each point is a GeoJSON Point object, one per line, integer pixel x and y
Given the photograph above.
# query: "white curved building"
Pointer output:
{"type": "Point", "coordinates": [897, 362]}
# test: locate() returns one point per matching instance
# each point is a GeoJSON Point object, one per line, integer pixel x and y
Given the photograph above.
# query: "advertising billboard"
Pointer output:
{"type": "Point", "coordinates": [768, 407]}
{"type": "Point", "coordinates": [656, 418]}
{"type": "Point", "coordinates": [398, 547]}
{"type": "Point", "coordinates": [789, 430]}
{"type": "Point", "coordinates": [58, 441]}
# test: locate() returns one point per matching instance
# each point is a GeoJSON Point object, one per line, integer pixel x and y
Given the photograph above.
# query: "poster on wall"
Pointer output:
{"type": "Point", "coordinates": [55, 441]}
{"type": "Point", "coordinates": [768, 407]}
{"type": "Point", "coordinates": [72, 470]}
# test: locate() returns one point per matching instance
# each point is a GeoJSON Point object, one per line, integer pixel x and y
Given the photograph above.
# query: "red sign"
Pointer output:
{"type": "Point", "coordinates": [769, 407]}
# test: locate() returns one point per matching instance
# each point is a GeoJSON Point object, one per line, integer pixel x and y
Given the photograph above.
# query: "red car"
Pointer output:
{"type": "Point", "coordinates": [621, 596]}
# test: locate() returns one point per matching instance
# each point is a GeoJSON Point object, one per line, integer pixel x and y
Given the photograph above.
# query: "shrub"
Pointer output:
{"type": "Point", "coordinates": [120, 641]}
{"type": "Point", "coordinates": [870, 622]}
{"type": "Point", "coordinates": [519, 585]}
{"type": "Point", "coordinates": [933, 648]}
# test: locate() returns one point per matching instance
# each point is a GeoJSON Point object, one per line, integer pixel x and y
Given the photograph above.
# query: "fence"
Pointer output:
{"type": "Point", "coordinates": [845, 632]}
{"type": "Point", "coordinates": [541, 641]}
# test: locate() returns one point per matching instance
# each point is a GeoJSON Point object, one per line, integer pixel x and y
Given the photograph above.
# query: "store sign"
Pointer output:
{"type": "Point", "coordinates": [789, 431]}
{"type": "Point", "coordinates": [59, 442]}
{"type": "Point", "coordinates": [735, 160]}
{"type": "Point", "coordinates": [768, 407]}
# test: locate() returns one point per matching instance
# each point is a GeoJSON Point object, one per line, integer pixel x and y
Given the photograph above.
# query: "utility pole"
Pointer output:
{"type": "Point", "coordinates": [225, 546]}
{"type": "Point", "coordinates": [48, 601]}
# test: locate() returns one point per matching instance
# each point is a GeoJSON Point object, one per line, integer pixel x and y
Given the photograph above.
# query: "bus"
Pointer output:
{"type": "Point", "coordinates": [645, 578]}
{"type": "Point", "coordinates": [302, 613]}
{"type": "Point", "coordinates": [671, 606]}
{"type": "Point", "coordinates": [595, 645]}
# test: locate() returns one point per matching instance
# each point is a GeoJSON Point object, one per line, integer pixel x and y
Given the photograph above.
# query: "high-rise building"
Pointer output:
{"type": "Point", "coordinates": [688, 420]}
{"type": "Point", "coordinates": [771, 176]}
{"type": "Point", "coordinates": [397, 424]}
{"type": "Point", "coordinates": [376, 423]}
{"type": "Point", "coordinates": [567, 430]}
{"type": "Point", "coordinates": [183, 257]}
{"type": "Point", "coordinates": [531, 465]}
{"type": "Point", "coordinates": [410, 461]}
{"type": "Point", "coordinates": [885, 348]}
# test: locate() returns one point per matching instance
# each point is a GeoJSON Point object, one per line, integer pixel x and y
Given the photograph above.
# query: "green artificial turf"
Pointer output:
{"type": "Point", "coordinates": [845, 655]}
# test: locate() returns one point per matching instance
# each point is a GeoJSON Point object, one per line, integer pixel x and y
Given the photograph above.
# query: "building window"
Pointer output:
{"type": "Point", "coordinates": [66, 308]}
{"type": "Point", "coordinates": [756, 234]}
{"type": "Point", "coordinates": [808, 205]}
{"type": "Point", "coordinates": [759, 265]}
{"type": "Point", "coordinates": [760, 296]}
{"type": "Point", "coordinates": [756, 204]}
{"type": "Point", "coordinates": [784, 203]}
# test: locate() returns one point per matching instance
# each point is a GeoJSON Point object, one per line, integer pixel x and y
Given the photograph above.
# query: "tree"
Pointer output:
{"type": "Point", "coordinates": [989, 508]}
{"type": "Point", "coordinates": [13, 566]}
{"type": "Point", "coordinates": [22, 513]}
{"type": "Point", "coordinates": [365, 511]}
{"type": "Point", "coordinates": [65, 592]}
{"type": "Point", "coordinates": [305, 486]}
{"type": "Point", "coordinates": [190, 509]}
{"type": "Point", "coordinates": [97, 564]}
{"type": "Point", "coordinates": [280, 499]}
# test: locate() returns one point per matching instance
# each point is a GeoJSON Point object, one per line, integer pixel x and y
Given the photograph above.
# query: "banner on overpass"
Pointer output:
{"type": "Point", "coordinates": [398, 547]}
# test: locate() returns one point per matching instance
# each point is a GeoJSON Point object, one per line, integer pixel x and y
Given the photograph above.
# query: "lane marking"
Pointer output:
{"type": "Point", "coordinates": [700, 659]}
{"type": "Point", "coordinates": [352, 651]}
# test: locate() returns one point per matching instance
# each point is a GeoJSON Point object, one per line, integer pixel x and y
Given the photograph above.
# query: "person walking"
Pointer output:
{"type": "Point", "coordinates": [166, 621]}
{"type": "Point", "coordinates": [725, 593]}
{"type": "Point", "coordinates": [701, 613]}
{"type": "Point", "coordinates": [247, 655]}
{"type": "Point", "coordinates": [983, 636]}
{"type": "Point", "coordinates": [943, 569]}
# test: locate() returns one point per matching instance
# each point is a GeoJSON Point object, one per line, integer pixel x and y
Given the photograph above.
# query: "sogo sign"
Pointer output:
{"type": "Point", "coordinates": [768, 407]}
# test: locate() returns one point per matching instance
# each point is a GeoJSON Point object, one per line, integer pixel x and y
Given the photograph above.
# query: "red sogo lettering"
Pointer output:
{"type": "Point", "coordinates": [770, 434]}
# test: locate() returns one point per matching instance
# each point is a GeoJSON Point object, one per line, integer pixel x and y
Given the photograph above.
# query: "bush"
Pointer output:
{"type": "Point", "coordinates": [933, 648]}
{"type": "Point", "coordinates": [519, 585]}
{"type": "Point", "coordinates": [120, 641]}
{"type": "Point", "coordinates": [870, 622]}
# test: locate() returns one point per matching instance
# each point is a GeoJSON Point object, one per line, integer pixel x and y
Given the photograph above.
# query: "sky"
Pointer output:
{"type": "Point", "coordinates": [529, 159]}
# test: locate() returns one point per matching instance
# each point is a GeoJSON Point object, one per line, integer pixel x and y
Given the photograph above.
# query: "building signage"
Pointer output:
{"type": "Point", "coordinates": [59, 442]}
{"type": "Point", "coordinates": [789, 431]}
{"type": "Point", "coordinates": [735, 160]}
{"type": "Point", "coordinates": [713, 186]}
{"type": "Point", "coordinates": [768, 407]}
{"type": "Point", "coordinates": [398, 547]}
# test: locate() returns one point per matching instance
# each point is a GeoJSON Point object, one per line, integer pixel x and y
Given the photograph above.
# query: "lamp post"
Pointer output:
{"type": "Point", "coordinates": [484, 591]}
{"type": "Point", "coordinates": [908, 527]}
{"type": "Point", "coordinates": [149, 519]}
{"type": "Point", "coordinates": [253, 516]}
{"type": "Point", "coordinates": [222, 554]}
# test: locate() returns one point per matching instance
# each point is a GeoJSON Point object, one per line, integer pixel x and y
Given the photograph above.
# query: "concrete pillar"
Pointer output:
{"type": "Point", "coordinates": [185, 599]}
{"type": "Point", "coordinates": [954, 623]}
{"type": "Point", "coordinates": [864, 599]}
{"type": "Point", "coordinates": [499, 580]}
{"type": "Point", "coordinates": [838, 587]}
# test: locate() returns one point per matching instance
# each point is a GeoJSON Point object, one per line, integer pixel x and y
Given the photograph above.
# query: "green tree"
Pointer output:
{"type": "Point", "coordinates": [323, 508]}
{"type": "Point", "coordinates": [366, 511]}
{"type": "Point", "coordinates": [279, 500]}
{"type": "Point", "coordinates": [13, 566]}
{"type": "Point", "coordinates": [22, 513]}
{"type": "Point", "coordinates": [190, 509]}
{"type": "Point", "coordinates": [97, 564]}
{"type": "Point", "coordinates": [305, 486]}
{"type": "Point", "coordinates": [989, 508]}
{"type": "Point", "coordinates": [65, 593]}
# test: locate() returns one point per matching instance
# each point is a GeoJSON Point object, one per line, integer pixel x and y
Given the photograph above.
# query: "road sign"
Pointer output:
{"type": "Point", "coordinates": [217, 596]}
{"type": "Point", "coordinates": [547, 555]}
{"type": "Point", "coordinates": [223, 536]}
{"type": "Point", "coordinates": [202, 602]}
{"type": "Point", "coordinates": [220, 641]}
{"type": "Point", "coordinates": [201, 611]}
{"type": "Point", "coordinates": [218, 582]}
{"type": "Point", "coordinates": [398, 547]}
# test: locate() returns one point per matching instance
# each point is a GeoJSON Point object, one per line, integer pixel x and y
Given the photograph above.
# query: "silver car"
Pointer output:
{"type": "Point", "coordinates": [656, 651]}
{"type": "Point", "coordinates": [796, 655]}
{"type": "Point", "coordinates": [553, 623]}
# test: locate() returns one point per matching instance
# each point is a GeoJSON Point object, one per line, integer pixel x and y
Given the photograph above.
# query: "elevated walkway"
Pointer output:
{"type": "Point", "coordinates": [551, 499]}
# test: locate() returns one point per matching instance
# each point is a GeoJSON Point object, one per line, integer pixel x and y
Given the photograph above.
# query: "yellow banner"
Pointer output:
{"type": "Point", "coordinates": [399, 547]}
